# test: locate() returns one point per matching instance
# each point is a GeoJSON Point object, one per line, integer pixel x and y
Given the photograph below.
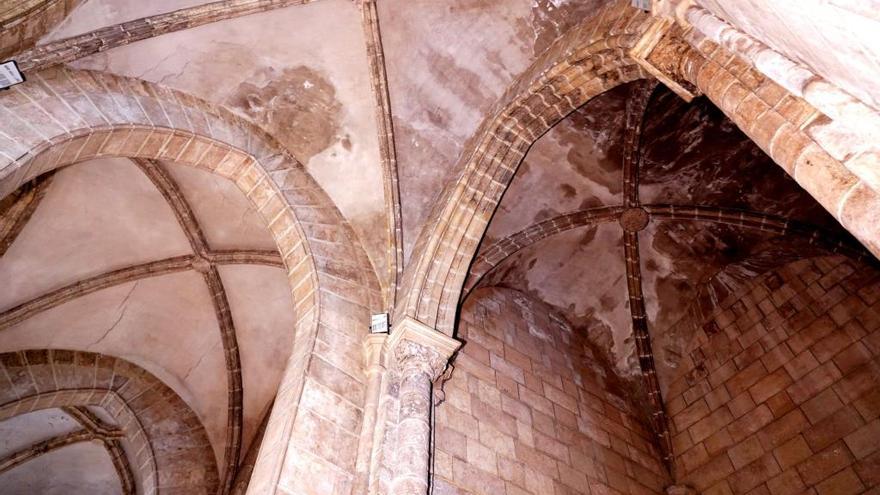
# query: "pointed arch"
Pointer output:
{"type": "Point", "coordinates": [585, 62]}
{"type": "Point", "coordinates": [61, 116]}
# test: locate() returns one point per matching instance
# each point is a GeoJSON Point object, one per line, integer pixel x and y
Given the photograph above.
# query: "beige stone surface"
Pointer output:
{"type": "Point", "coordinates": [803, 31]}
{"type": "Point", "coordinates": [98, 217]}
{"type": "Point", "coordinates": [303, 86]}
{"type": "Point", "coordinates": [165, 325]}
{"type": "Point", "coordinates": [82, 468]}
{"type": "Point", "coordinates": [94, 14]}
{"type": "Point", "coordinates": [599, 352]}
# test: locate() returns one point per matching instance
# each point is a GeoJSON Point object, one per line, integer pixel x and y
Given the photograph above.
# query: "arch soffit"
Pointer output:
{"type": "Point", "coordinates": [586, 61]}
{"type": "Point", "coordinates": [62, 116]}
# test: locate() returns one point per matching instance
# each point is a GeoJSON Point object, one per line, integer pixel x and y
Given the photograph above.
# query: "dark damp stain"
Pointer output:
{"type": "Point", "coordinates": [297, 105]}
{"type": "Point", "coordinates": [466, 84]}
{"type": "Point", "coordinates": [587, 237]}
{"type": "Point", "coordinates": [550, 19]}
{"type": "Point", "coordinates": [568, 191]}
{"type": "Point", "coordinates": [698, 156]}
{"type": "Point", "coordinates": [346, 142]}
{"type": "Point", "coordinates": [593, 135]}
{"type": "Point", "coordinates": [608, 302]}
{"type": "Point", "coordinates": [437, 116]}
{"type": "Point", "coordinates": [544, 214]}
{"type": "Point", "coordinates": [590, 202]}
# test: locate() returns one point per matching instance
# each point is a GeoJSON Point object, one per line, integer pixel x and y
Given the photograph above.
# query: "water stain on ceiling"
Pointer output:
{"type": "Point", "coordinates": [298, 105]}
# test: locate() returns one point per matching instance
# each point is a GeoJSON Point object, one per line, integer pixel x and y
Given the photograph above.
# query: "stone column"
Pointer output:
{"type": "Point", "coordinates": [375, 370]}
{"type": "Point", "coordinates": [418, 355]}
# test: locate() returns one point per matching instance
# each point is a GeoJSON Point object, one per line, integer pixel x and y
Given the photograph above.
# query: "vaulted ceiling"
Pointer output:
{"type": "Point", "coordinates": [635, 210]}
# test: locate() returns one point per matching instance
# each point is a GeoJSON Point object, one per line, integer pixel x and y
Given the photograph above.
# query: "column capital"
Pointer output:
{"type": "Point", "coordinates": [373, 347]}
{"type": "Point", "coordinates": [663, 52]}
{"type": "Point", "coordinates": [412, 343]}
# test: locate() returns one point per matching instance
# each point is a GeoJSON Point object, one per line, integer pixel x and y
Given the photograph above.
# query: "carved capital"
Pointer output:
{"type": "Point", "coordinates": [663, 52]}
{"type": "Point", "coordinates": [416, 346]}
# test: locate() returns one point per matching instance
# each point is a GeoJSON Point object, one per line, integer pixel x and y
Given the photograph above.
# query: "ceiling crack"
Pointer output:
{"type": "Point", "coordinates": [124, 306]}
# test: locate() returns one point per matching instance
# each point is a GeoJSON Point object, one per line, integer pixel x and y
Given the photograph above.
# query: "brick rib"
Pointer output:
{"type": "Point", "coordinates": [36, 450]}
{"type": "Point", "coordinates": [25, 21]}
{"type": "Point", "coordinates": [109, 437]}
{"type": "Point", "coordinates": [103, 39]}
{"type": "Point", "coordinates": [636, 108]}
{"type": "Point", "coordinates": [387, 149]}
{"type": "Point", "coordinates": [588, 60]}
{"type": "Point", "coordinates": [223, 312]}
{"type": "Point", "coordinates": [659, 418]}
{"type": "Point", "coordinates": [154, 420]}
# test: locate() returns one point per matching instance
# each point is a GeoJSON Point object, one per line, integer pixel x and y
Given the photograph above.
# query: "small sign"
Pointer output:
{"type": "Point", "coordinates": [10, 75]}
{"type": "Point", "coordinates": [379, 323]}
{"type": "Point", "coordinates": [642, 4]}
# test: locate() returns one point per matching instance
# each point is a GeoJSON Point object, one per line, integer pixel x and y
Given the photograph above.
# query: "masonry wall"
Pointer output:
{"type": "Point", "coordinates": [531, 410]}
{"type": "Point", "coordinates": [779, 391]}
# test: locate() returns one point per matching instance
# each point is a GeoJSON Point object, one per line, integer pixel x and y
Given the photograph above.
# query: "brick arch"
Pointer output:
{"type": "Point", "coordinates": [588, 60]}
{"type": "Point", "coordinates": [60, 117]}
{"type": "Point", "coordinates": [170, 447]}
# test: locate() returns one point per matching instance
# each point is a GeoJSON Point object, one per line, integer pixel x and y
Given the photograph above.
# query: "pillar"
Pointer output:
{"type": "Point", "coordinates": [374, 368]}
{"type": "Point", "coordinates": [416, 355]}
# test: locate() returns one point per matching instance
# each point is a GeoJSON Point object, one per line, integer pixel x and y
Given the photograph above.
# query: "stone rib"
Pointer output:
{"type": "Point", "coordinates": [636, 108]}
{"type": "Point", "coordinates": [659, 418]}
{"type": "Point", "coordinates": [245, 257]}
{"type": "Point", "coordinates": [29, 309]}
{"type": "Point", "coordinates": [635, 117]}
{"type": "Point", "coordinates": [496, 253]}
{"type": "Point", "coordinates": [493, 255]}
{"type": "Point", "coordinates": [223, 312]}
{"type": "Point", "coordinates": [90, 285]}
{"type": "Point", "coordinates": [36, 450]}
{"type": "Point", "coordinates": [764, 222]}
{"type": "Point", "coordinates": [178, 203]}
{"type": "Point", "coordinates": [387, 149]}
{"type": "Point", "coordinates": [110, 438]}
{"type": "Point", "coordinates": [103, 39]}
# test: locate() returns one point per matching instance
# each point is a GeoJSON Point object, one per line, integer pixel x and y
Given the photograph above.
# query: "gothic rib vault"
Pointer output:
{"type": "Point", "coordinates": [622, 250]}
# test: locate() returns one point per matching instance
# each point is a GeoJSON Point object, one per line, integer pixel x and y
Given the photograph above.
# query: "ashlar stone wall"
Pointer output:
{"type": "Point", "coordinates": [779, 391]}
{"type": "Point", "coordinates": [530, 409]}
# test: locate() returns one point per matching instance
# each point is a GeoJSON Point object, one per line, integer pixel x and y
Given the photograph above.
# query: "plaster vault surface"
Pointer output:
{"type": "Point", "coordinates": [584, 206]}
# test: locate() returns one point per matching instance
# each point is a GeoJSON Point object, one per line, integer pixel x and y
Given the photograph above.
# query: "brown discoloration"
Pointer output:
{"type": "Point", "coordinates": [23, 22]}
{"type": "Point", "coordinates": [17, 208]}
{"type": "Point", "coordinates": [552, 18]}
{"type": "Point", "coordinates": [298, 105]}
{"type": "Point", "coordinates": [576, 165]}
{"type": "Point", "coordinates": [692, 163]}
